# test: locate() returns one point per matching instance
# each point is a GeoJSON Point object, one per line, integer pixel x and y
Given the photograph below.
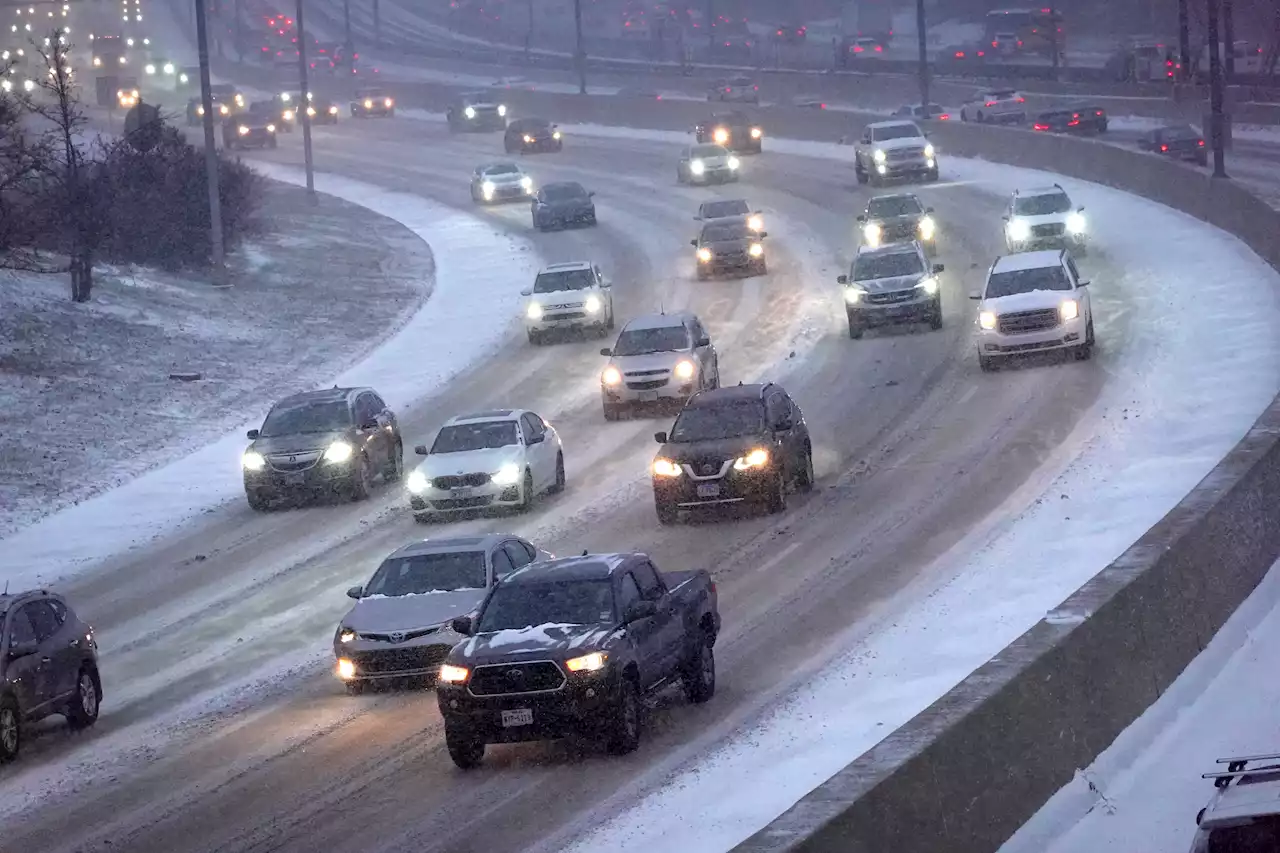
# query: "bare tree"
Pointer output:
{"type": "Point", "coordinates": [22, 221]}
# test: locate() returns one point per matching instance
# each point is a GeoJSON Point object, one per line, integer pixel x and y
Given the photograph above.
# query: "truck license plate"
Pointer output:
{"type": "Point", "coordinates": [295, 479]}
{"type": "Point", "coordinates": [461, 493]}
{"type": "Point", "coordinates": [708, 490]}
{"type": "Point", "coordinates": [518, 717]}
{"type": "Point", "coordinates": [648, 396]}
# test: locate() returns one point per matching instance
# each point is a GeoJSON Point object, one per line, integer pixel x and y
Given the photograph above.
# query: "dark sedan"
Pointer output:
{"type": "Point", "coordinates": [373, 103]}
{"type": "Point", "coordinates": [250, 129]}
{"type": "Point", "coordinates": [734, 130]}
{"type": "Point", "coordinates": [730, 247]}
{"type": "Point", "coordinates": [1179, 142]}
{"type": "Point", "coordinates": [563, 204]}
{"type": "Point", "coordinates": [1079, 119]}
{"type": "Point", "coordinates": [532, 134]}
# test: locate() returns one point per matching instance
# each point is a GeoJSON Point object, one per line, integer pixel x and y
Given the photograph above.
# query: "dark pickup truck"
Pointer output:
{"type": "Point", "coordinates": [571, 647]}
{"type": "Point", "coordinates": [734, 130]}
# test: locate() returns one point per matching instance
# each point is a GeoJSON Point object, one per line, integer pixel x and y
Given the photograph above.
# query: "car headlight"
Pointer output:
{"type": "Point", "coordinates": [183, 78]}
{"type": "Point", "coordinates": [1019, 229]}
{"type": "Point", "coordinates": [871, 233]}
{"type": "Point", "coordinates": [928, 150]}
{"type": "Point", "coordinates": [733, 163]}
{"type": "Point", "coordinates": [721, 135]}
{"type": "Point", "coordinates": [7, 85]}
{"type": "Point", "coordinates": [502, 110]}
{"type": "Point", "coordinates": [507, 475]}
{"type": "Point", "coordinates": [534, 311]}
{"type": "Point", "coordinates": [339, 451]}
{"type": "Point", "coordinates": [244, 131]}
{"type": "Point", "coordinates": [124, 61]}
{"type": "Point", "coordinates": [555, 135]}
{"type": "Point", "coordinates": [239, 98]}
{"type": "Point", "coordinates": [929, 285]}
{"type": "Point", "coordinates": [927, 227]}
{"type": "Point", "coordinates": [288, 115]}
{"type": "Point", "coordinates": [333, 111]}
{"type": "Point", "coordinates": [987, 320]}
{"type": "Point", "coordinates": [587, 663]}
{"type": "Point", "coordinates": [451, 674]}
{"type": "Point", "coordinates": [487, 188]}
{"type": "Point", "coordinates": [469, 112]}
{"type": "Point", "coordinates": [97, 62]}
{"type": "Point", "coordinates": [527, 183]}
{"type": "Point", "coordinates": [878, 156]}
{"type": "Point", "coordinates": [368, 103]}
{"type": "Point", "coordinates": [346, 635]}
{"type": "Point", "coordinates": [1069, 309]}
{"type": "Point", "coordinates": [29, 85]}
{"type": "Point", "coordinates": [697, 167]}
{"type": "Point", "coordinates": [611, 376]}
{"type": "Point", "coordinates": [853, 294]}
{"type": "Point", "coordinates": [271, 128]}
{"type": "Point", "coordinates": [168, 68]}
{"type": "Point", "coordinates": [387, 103]}
{"type": "Point", "coordinates": [665, 468]}
{"type": "Point", "coordinates": [224, 109]}
{"type": "Point", "coordinates": [684, 370]}
{"type": "Point", "coordinates": [252, 460]}
{"type": "Point", "coordinates": [1076, 223]}
{"type": "Point", "coordinates": [200, 110]}
{"type": "Point", "coordinates": [704, 255]}
{"type": "Point", "coordinates": [593, 304]}
{"type": "Point", "coordinates": [528, 139]}
{"type": "Point", "coordinates": [346, 669]}
{"type": "Point", "coordinates": [756, 250]}
{"type": "Point", "coordinates": [416, 482]}
{"type": "Point", "coordinates": [756, 133]}
{"type": "Point", "coordinates": [757, 458]}
{"type": "Point", "coordinates": [149, 68]}
{"type": "Point", "coordinates": [755, 223]}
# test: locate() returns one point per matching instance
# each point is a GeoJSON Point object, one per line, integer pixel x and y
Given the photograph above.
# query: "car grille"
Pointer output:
{"type": "Point", "coordinates": [1028, 321]}
{"type": "Point", "coordinates": [707, 466]}
{"type": "Point", "coordinates": [898, 232]}
{"type": "Point", "coordinates": [459, 482]}
{"type": "Point", "coordinates": [400, 660]}
{"type": "Point", "coordinates": [497, 679]}
{"type": "Point", "coordinates": [484, 111]}
{"type": "Point", "coordinates": [463, 503]}
{"type": "Point", "coordinates": [1053, 229]}
{"type": "Point", "coordinates": [564, 306]}
{"type": "Point", "coordinates": [291, 462]}
{"type": "Point", "coordinates": [650, 385]}
{"type": "Point", "coordinates": [735, 257]}
{"type": "Point", "coordinates": [898, 155]}
{"type": "Point", "coordinates": [568, 315]}
{"type": "Point", "coordinates": [403, 637]}
{"type": "Point", "coordinates": [891, 297]}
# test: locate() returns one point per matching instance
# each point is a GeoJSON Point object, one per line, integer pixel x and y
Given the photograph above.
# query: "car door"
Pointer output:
{"type": "Point", "coordinates": [387, 421]}
{"type": "Point", "coordinates": [28, 675]}
{"type": "Point", "coordinates": [63, 651]}
{"type": "Point", "coordinates": [778, 412]}
{"type": "Point", "coordinates": [644, 633]}
{"type": "Point", "coordinates": [669, 624]}
{"type": "Point", "coordinates": [1081, 293]}
{"type": "Point", "coordinates": [796, 435]}
{"type": "Point", "coordinates": [708, 360]}
{"type": "Point", "coordinates": [369, 430]}
{"type": "Point", "coordinates": [541, 455]}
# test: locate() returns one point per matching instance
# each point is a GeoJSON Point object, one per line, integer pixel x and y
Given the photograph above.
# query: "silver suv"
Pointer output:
{"type": "Point", "coordinates": [573, 295]}
{"type": "Point", "coordinates": [658, 358]}
{"type": "Point", "coordinates": [894, 149]}
{"type": "Point", "coordinates": [891, 285]}
{"type": "Point", "coordinates": [1244, 812]}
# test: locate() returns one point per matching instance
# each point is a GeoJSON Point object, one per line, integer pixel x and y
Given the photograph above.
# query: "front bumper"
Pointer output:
{"type": "Point", "coordinates": [919, 308]}
{"type": "Point", "coordinates": [385, 662]}
{"type": "Point", "coordinates": [482, 121]}
{"type": "Point", "coordinates": [512, 192]}
{"type": "Point", "coordinates": [905, 168]}
{"type": "Point", "coordinates": [252, 139]}
{"type": "Point", "coordinates": [464, 499]}
{"type": "Point", "coordinates": [1071, 333]}
{"type": "Point", "coordinates": [733, 487]}
{"type": "Point", "coordinates": [578, 318]}
{"type": "Point", "coordinates": [713, 176]}
{"type": "Point", "coordinates": [732, 262]}
{"type": "Point", "coordinates": [583, 706]}
{"type": "Point", "coordinates": [320, 477]}
{"type": "Point", "coordinates": [566, 217]}
{"type": "Point", "coordinates": [548, 144]}
{"type": "Point", "coordinates": [637, 390]}
{"type": "Point", "coordinates": [1062, 240]}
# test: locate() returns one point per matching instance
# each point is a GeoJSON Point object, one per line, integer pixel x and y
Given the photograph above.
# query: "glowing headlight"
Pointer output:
{"type": "Point", "coordinates": [507, 475]}
{"type": "Point", "coordinates": [555, 134]}
{"type": "Point", "coordinates": [611, 376]}
{"type": "Point", "coordinates": [368, 103]}
{"type": "Point", "coordinates": [987, 320]}
{"type": "Point", "coordinates": [339, 451]}
{"type": "Point", "coordinates": [183, 78]}
{"type": "Point", "coordinates": [252, 460]}
{"type": "Point", "coordinates": [929, 285]}
{"type": "Point", "coordinates": [7, 85]}
{"type": "Point", "coordinates": [1019, 229]}
{"type": "Point", "coordinates": [287, 115]}
{"type": "Point", "coordinates": [587, 663]}
{"type": "Point", "coordinates": [878, 156]}
{"type": "Point", "coordinates": [853, 295]}
{"type": "Point", "coordinates": [168, 68]}
{"type": "Point", "coordinates": [733, 163]}
{"type": "Point", "coordinates": [469, 112]}
{"type": "Point", "coordinates": [200, 110]}
{"type": "Point", "coordinates": [97, 62]}
{"type": "Point", "coordinates": [271, 128]}
{"type": "Point", "coordinates": [593, 304]}
{"type": "Point", "coordinates": [527, 183]}
{"type": "Point", "coordinates": [684, 370]}
{"type": "Point", "coordinates": [30, 85]}
{"type": "Point", "coordinates": [346, 635]}
{"type": "Point", "coordinates": [333, 111]}
{"type": "Point", "coordinates": [451, 674]}
{"type": "Point", "coordinates": [928, 151]}
{"type": "Point", "coordinates": [1075, 223]}
{"type": "Point", "coordinates": [129, 42]}
{"type": "Point", "coordinates": [416, 483]}
{"type": "Point", "coordinates": [224, 109]}
{"type": "Point", "coordinates": [757, 458]}
{"type": "Point", "coordinates": [502, 109]}
{"type": "Point", "coordinates": [149, 68]}
{"type": "Point", "coordinates": [755, 223]}
{"type": "Point", "coordinates": [534, 311]}
{"type": "Point", "coordinates": [346, 669]}
{"type": "Point", "coordinates": [721, 136]}
{"type": "Point", "coordinates": [665, 468]}
{"type": "Point", "coordinates": [697, 167]}
{"type": "Point", "coordinates": [756, 250]}
{"type": "Point", "coordinates": [487, 188]}
{"type": "Point", "coordinates": [704, 255]}
{"type": "Point", "coordinates": [871, 233]}
{"type": "Point", "coordinates": [1069, 309]}
{"type": "Point", "coordinates": [239, 100]}
{"type": "Point", "coordinates": [927, 227]}
{"type": "Point", "coordinates": [528, 139]}
{"type": "Point", "coordinates": [756, 133]}
{"type": "Point", "coordinates": [124, 60]}
{"type": "Point", "coordinates": [387, 103]}
{"type": "Point", "coordinates": [244, 131]}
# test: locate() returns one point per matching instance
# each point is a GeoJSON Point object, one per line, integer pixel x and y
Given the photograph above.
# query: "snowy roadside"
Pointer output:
{"type": "Point", "coordinates": [89, 398]}
{"type": "Point", "coordinates": [1179, 399]}
{"type": "Point", "coordinates": [427, 350]}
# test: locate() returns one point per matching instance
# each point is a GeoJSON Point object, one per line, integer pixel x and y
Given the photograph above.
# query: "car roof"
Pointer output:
{"type": "Point", "coordinates": [437, 544]}
{"type": "Point", "coordinates": [889, 249]}
{"type": "Point", "coordinates": [728, 394]}
{"type": "Point", "coordinates": [1252, 794]}
{"type": "Point", "coordinates": [325, 395]}
{"type": "Point", "coordinates": [566, 266]}
{"type": "Point", "coordinates": [1027, 261]}
{"type": "Point", "coordinates": [9, 599]}
{"type": "Point", "coordinates": [659, 321]}
{"type": "Point", "coordinates": [585, 567]}
{"type": "Point", "coordinates": [487, 415]}
{"type": "Point", "coordinates": [1039, 191]}
{"type": "Point", "coordinates": [893, 123]}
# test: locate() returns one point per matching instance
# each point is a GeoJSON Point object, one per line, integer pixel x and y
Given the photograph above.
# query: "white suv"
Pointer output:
{"type": "Point", "coordinates": [894, 149]}
{"type": "Point", "coordinates": [575, 295]}
{"type": "Point", "coordinates": [1044, 217]}
{"type": "Point", "coordinates": [1032, 302]}
{"type": "Point", "coordinates": [1244, 813]}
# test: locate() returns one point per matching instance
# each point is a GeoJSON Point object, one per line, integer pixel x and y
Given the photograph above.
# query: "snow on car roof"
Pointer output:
{"type": "Point", "coordinates": [567, 265]}
{"type": "Point", "coordinates": [490, 415]}
{"type": "Point", "coordinates": [435, 544]}
{"type": "Point", "coordinates": [1038, 191]}
{"type": "Point", "coordinates": [893, 123]}
{"type": "Point", "coordinates": [658, 321]}
{"type": "Point", "coordinates": [1027, 261]}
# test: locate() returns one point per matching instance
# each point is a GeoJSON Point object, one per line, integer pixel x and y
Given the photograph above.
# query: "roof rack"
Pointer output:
{"type": "Point", "coordinates": [1237, 767]}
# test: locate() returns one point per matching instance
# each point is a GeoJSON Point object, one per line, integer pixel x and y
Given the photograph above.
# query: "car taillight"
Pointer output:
{"type": "Point", "coordinates": [1022, 100]}
{"type": "Point", "coordinates": [857, 48]}
{"type": "Point", "coordinates": [982, 53]}
{"type": "Point", "coordinates": [879, 48]}
{"type": "Point", "coordinates": [1164, 147]}
{"type": "Point", "coordinates": [959, 54]}
{"type": "Point", "coordinates": [990, 103]}
{"type": "Point", "coordinates": [995, 44]}
{"type": "Point", "coordinates": [1098, 112]}
{"type": "Point", "coordinates": [1040, 127]}
{"type": "Point", "coordinates": [944, 117]}
{"type": "Point", "coordinates": [824, 106]}
{"type": "Point", "coordinates": [1073, 122]}
{"type": "Point", "coordinates": [1201, 143]}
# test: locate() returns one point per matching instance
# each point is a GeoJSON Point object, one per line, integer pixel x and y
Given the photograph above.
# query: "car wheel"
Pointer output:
{"type": "Point", "coordinates": [667, 513]}
{"type": "Point", "coordinates": [931, 175]}
{"type": "Point", "coordinates": [699, 676]}
{"type": "Point", "coordinates": [987, 364]}
{"type": "Point", "coordinates": [560, 478]}
{"type": "Point", "coordinates": [703, 274]}
{"type": "Point", "coordinates": [361, 480]}
{"type": "Point", "coordinates": [980, 117]}
{"type": "Point", "coordinates": [356, 688]}
{"type": "Point", "coordinates": [805, 479]}
{"type": "Point", "coordinates": [82, 710]}
{"type": "Point", "coordinates": [466, 750]}
{"type": "Point", "coordinates": [257, 500]}
{"type": "Point", "coordinates": [1084, 351]}
{"type": "Point", "coordinates": [860, 174]}
{"type": "Point", "coordinates": [526, 493]}
{"type": "Point", "coordinates": [423, 517]}
{"type": "Point", "coordinates": [856, 329]}
{"type": "Point", "coordinates": [935, 319]}
{"type": "Point", "coordinates": [762, 268]}
{"type": "Point", "coordinates": [612, 411]}
{"type": "Point", "coordinates": [964, 115]}
{"type": "Point", "coordinates": [10, 729]}
{"type": "Point", "coordinates": [610, 324]}
{"type": "Point", "coordinates": [679, 177]}
{"type": "Point", "coordinates": [535, 337]}
{"type": "Point", "coordinates": [624, 727]}
{"type": "Point", "coordinates": [777, 500]}
{"type": "Point", "coordinates": [395, 465]}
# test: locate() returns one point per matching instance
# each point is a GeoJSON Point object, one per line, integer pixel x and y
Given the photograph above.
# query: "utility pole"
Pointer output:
{"type": "Point", "coordinates": [346, 25]}
{"type": "Point", "coordinates": [304, 109]}
{"type": "Point", "coordinates": [1229, 39]}
{"type": "Point", "coordinates": [579, 53]}
{"type": "Point", "coordinates": [216, 247]}
{"type": "Point", "coordinates": [377, 24]}
{"type": "Point", "coordinates": [922, 39]}
{"type": "Point", "coordinates": [1053, 39]}
{"type": "Point", "coordinates": [1184, 38]}
{"type": "Point", "coordinates": [1215, 94]}
{"type": "Point", "coordinates": [238, 11]}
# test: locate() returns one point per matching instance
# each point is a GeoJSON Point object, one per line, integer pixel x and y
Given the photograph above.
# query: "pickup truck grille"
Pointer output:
{"type": "Point", "coordinates": [900, 155]}
{"type": "Point", "coordinates": [1053, 229]}
{"type": "Point", "coordinates": [400, 660]}
{"type": "Point", "coordinates": [499, 678]}
{"type": "Point", "coordinates": [1028, 321]}
{"type": "Point", "coordinates": [452, 482]}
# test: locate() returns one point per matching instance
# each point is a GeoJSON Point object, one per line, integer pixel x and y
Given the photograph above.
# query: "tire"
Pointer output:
{"type": "Point", "coordinates": [82, 710]}
{"type": "Point", "coordinates": [423, 517]}
{"type": "Point", "coordinates": [395, 465]}
{"type": "Point", "coordinates": [623, 730]}
{"type": "Point", "coordinates": [777, 500]}
{"type": "Point", "coordinates": [257, 501]}
{"type": "Point", "coordinates": [860, 175]}
{"type": "Point", "coordinates": [856, 329]}
{"type": "Point", "coordinates": [526, 493]}
{"type": "Point", "coordinates": [356, 688]}
{"type": "Point", "coordinates": [935, 319]}
{"type": "Point", "coordinates": [667, 513]}
{"type": "Point", "coordinates": [980, 117]}
{"type": "Point", "coordinates": [360, 480]}
{"type": "Point", "coordinates": [560, 478]}
{"type": "Point", "coordinates": [612, 411]}
{"type": "Point", "coordinates": [1084, 352]}
{"type": "Point", "coordinates": [931, 176]}
{"type": "Point", "coordinates": [10, 729]}
{"type": "Point", "coordinates": [699, 676]}
{"type": "Point", "coordinates": [611, 323]}
{"type": "Point", "coordinates": [535, 337]}
{"type": "Point", "coordinates": [964, 116]}
{"type": "Point", "coordinates": [987, 364]}
{"type": "Point", "coordinates": [805, 478]}
{"type": "Point", "coordinates": [466, 750]}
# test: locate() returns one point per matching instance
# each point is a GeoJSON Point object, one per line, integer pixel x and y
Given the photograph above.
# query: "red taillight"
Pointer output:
{"type": "Point", "coordinates": [943, 117]}
{"type": "Point", "coordinates": [1098, 113]}
{"type": "Point", "coordinates": [1022, 100]}
{"type": "Point", "coordinates": [990, 103]}
{"type": "Point", "coordinates": [1164, 147]}
{"type": "Point", "coordinates": [1201, 143]}
{"type": "Point", "coordinates": [857, 48]}
{"type": "Point", "coordinates": [822, 106]}
{"type": "Point", "coordinates": [1040, 127]}
{"type": "Point", "coordinates": [757, 88]}
{"type": "Point", "coordinates": [982, 53]}
{"type": "Point", "coordinates": [959, 54]}
{"type": "Point", "coordinates": [1073, 122]}
{"type": "Point", "coordinates": [1019, 42]}
{"type": "Point", "coordinates": [879, 48]}
{"type": "Point", "coordinates": [995, 44]}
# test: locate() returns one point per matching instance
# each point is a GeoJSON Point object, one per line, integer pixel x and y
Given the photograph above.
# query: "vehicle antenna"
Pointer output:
{"type": "Point", "coordinates": [584, 552]}
{"type": "Point", "coordinates": [662, 308]}
{"type": "Point", "coordinates": [6, 586]}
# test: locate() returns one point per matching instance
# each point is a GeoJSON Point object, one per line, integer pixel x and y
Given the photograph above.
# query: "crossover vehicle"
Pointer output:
{"type": "Point", "coordinates": [476, 111]}
{"type": "Point", "coordinates": [995, 106]}
{"type": "Point", "coordinates": [1082, 119]}
{"type": "Point", "coordinates": [1044, 217]}
{"type": "Point", "coordinates": [861, 47]}
{"type": "Point", "coordinates": [730, 210]}
{"type": "Point", "coordinates": [531, 135]}
{"type": "Point", "coordinates": [400, 626]}
{"type": "Point", "coordinates": [707, 164]}
{"type": "Point", "coordinates": [499, 459]}
{"type": "Point", "coordinates": [900, 218]}
{"type": "Point", "coordinates": [741, 445]}
{"type": "Point", "coordinates": [894, 149]}
{"type": "Point", "coordinates": [1243, 815]}
{"type": "Point", "coordinates": [917, 112]}
{"type": "Point", "coordinates": [1179, 143]}
{"type": "Point", "coordinates": [658, 358]}
{"type": "Point", "coordinates": [733, 130]}
{"type": "Point", "coordinates": [741, 90]}
{"type": "Point", "coordinates": [228, 94]}
{"type": "Point", "coordinates": [163, 70]}
{"type": "Point", "coordinates": [500, 182]}
{"type": "Point", "coordinates": [1033, 302]}
{"type": "Point", "coordinates": [373, 103]}
{"type": "Point", "coordinates": [195, 110]}
{"type": "Point", "coordinates": [322, 110]}
{"type": "Point", "coordinates": [729, 247]}
{"type": "Point", "coordinates": [250, 129]}
{"type": "Point", "coordinates": [891, 285]}
{"type": "Point", "coordinates": [561, 204]}
{"type": "Point", "coordinates": [331, 442]}
{"type": "Point", "coordinates": [48, 665]}
{"type": "Point", "coordinates": [568, 296]}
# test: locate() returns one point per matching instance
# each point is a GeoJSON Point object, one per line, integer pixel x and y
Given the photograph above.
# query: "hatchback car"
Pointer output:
{"type": "Point", "coordinates": [658, 358]}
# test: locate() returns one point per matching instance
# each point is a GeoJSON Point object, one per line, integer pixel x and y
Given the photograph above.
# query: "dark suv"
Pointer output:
{"type": "Point", "coordinates": [743, 444]}
{"type": "Point", "coordinates": [323, 442]}
{"type": "Point", "coordinates": [48, 665]}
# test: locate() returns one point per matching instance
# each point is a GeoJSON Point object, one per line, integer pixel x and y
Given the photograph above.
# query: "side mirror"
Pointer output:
{"type": "Point", "coordinates": [937, 268]}
{"type": "Point", "coordinates": [461, 625]}
{"type": "Point", "coordinates": [1082, 284]}
{"type": "Point", "coordinates": [973, 294]}
{"type": "Point", "coordinates": [842, 279]}
{"type": "Point", "coordinates": [372, 423]}
{"type": "Point", "coordinates": [639, 610]}
{"type": "Point", "coordinates": [253, 434]}
{"type": "Point", "coordinates": [762, 235]}
{"type": "Point", "coordinates": [697, 219]}
{"type": "Point", "coordinates": [1005, 218]}
{"type": "Point", "coordinates": [356, 592]}
{"type": "Point", "coordinates": [535, 439]}
{"type": "Point", "coordinates": [421, 450]}
{"type": "Point", "coordinates": [928, 210]}
{"type": "Point", "coordinates": [862, 217]}
{"type": "Point", "coordinates": [693, 243]}
{"type": "Point", "coordinates": [606, 352]}
{"type": "Point", "coordinates": [660, 437]}
{"type": "Point", "coordinates": [23, 649]}
{"type": "Point", "coordinates": [528, 291]}
{"type": "Point", "coordinates": [704, 341]}
{"type": "Point", "coordinates": [1079, 210]}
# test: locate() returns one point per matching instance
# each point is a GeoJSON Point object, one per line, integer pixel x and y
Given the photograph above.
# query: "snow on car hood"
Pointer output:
{"type": "Point", "coordinates": [1029, 301]}
{"type": "Point", "coordinates": [386, 613]}
{"type": "Point", "coordinates": [1043, 219]}
{"type": "Point", "coordinates": [649, 361]}
{"type": "Point", "coordinates": [880, 285]}
{"type": "Point", "coordinates": [901, 142]}
{"type": "Point", "coordinates": [488, 461]}
{"type": "Point", "coordinates": [554, 639]}
{"type": "Point", "coordinates": [298, 442]}
{"type": "Point", "coordinates": [564, 297]}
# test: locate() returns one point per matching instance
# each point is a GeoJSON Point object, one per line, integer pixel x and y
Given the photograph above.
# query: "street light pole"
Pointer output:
{"type": "Point", "coordinates": [579, 53]}
{"type": "Point", "coordinates": [1215, 94]}
{"type": "Point", "coordinates": [346, 23]}
{"type": "Point", "coordinates": [1053, 39]}
{"type": "Point", "coordinates": [216, 248]}
{"type": "Point", "coordinates": [304, 109]}
{"type": "Point", "coordinates": [922, 39]}
{"type": "Point", "coordinates": [377, 24]}
{"type": "Point", "coordinates": [1229, 39]}
{"type": "Point", "coordinates": [1184, 38]}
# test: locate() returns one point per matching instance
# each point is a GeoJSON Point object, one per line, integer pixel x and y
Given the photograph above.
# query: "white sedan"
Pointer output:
{"type": "Point", "coordinates": [495, 182]}
{"type": "Point", "coordinates": [995, 106]}
{"type": "Point", "coordinates": [499, 458]}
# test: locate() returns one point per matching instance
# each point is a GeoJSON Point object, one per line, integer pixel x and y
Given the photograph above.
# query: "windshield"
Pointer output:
{"type": "Point", "coordinates": [1262, 835]}
{"type": "Point", "coordinates": [729, 420]}
{"type": "Point", "coordinates": [1025, 281]}
{"type": "Point", "coordinates": [645, 341]}
{"type": "Point", "coordinates": [524, 605]}
{"type": "Point", "coordinates": [722, 209]}
{"type": "Point", "coordinates": [370, 93]}
{"type": "Point", "coordinates": [551, 282]}
{"type": "Point", "coordinates": [729, 118]}
{"type": "Point", "coordinates": [563, 192]}
{"type": "Point", "coordinates": [484, 435]}
{"type": "Point", "coordinates": [472, 99]}
{"type": "Point", "coordinates": [719, 233]}
{"type": "Point", "coordinates": [502, 169]}
{"type": "Point", "coordinates": [895, 205]}
{"type": "Point", "coordinates": [534, 124]}
{"type": "Point", "coordinates": [870, 267]}
{"type": "Point", "coordinates": [1041, 205]}
{"type": "Point", "coordinates": [429, 573]}
{"type": "Point", "coordinates": [708, 151]}
{"type": "Point", "coordinates": [296, 418]}
{"type": "Point", "coordinates": [895, 131]}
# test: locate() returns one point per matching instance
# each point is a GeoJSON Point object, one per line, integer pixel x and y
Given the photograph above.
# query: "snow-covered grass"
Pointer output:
{"type": "Point", "coordinates": [1179, 397]}
{"type": "Point", "coordinates": [1143, 792]}
{"type": "Point", "coordinates": [90, 397]}
{"type": "Point", "coordinates": [468, 314]}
